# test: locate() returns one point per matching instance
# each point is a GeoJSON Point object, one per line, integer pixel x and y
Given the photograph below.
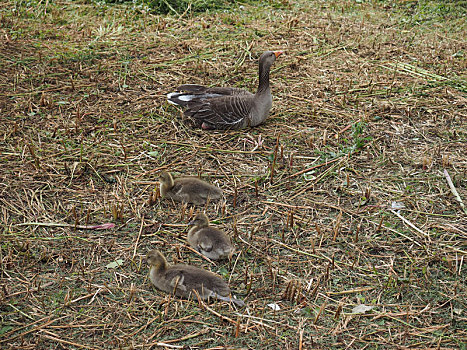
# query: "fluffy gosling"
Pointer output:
{"type": "Point", "coordinates": [183, 280]}
{"type": "Point", "coordinates": [187, 189]}
{"type": "Point", "coordinates": [209, 241]}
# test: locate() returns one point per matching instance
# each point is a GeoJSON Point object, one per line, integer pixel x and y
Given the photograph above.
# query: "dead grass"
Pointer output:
{"type": "Point", "coordinates": [369, 109]}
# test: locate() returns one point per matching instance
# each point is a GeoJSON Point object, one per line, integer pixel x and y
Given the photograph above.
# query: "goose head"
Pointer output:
{"type": "Point", "coordinates": [268, 58]}
{"type": "Point", "coordinates": [200, 220]}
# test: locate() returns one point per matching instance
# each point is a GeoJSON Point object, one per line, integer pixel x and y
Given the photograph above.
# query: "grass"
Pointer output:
{"type": "Point", "coordinates": [369, 109]}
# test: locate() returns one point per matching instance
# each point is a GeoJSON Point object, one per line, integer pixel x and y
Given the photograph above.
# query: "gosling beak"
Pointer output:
{"type": "Point", "coordinates": [191, 223]}
{"type": "Point", "coordinates": [278, 53]}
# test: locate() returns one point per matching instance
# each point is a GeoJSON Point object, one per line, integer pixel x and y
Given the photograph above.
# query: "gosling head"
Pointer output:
{"type": "Point", "coordinates": [155, 258]}
{"type": "Point", "coordinates": [200, 220]}
{"type": "Point", "coordinates": [167, 182]}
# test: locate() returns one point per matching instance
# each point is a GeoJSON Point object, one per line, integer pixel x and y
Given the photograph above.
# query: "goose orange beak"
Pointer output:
{"type": "Point", "coordinates": [278, 53]}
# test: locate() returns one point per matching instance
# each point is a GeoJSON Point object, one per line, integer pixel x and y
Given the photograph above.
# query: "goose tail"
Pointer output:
{"type": "Point", "coordinates": [234, 300]}
{"type": "Point", "coordinates": [184, 98]}
{"type": "Point", "coordinates": [180, 98]}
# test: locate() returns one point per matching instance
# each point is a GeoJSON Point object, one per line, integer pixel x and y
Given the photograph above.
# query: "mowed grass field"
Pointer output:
{"type": "Point", "coordinates": [348, 232]}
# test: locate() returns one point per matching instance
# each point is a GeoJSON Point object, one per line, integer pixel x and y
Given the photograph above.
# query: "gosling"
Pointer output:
{"type": "Point", "coordinates": [209, 241]}
{"type": "Point", "coordinates": [183, 280]}
{"type": "Point", "coordinates": [187, 189]}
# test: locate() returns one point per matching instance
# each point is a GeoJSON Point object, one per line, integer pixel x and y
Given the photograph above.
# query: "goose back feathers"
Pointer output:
{"type": "Point", "coordinates": [226, 107]}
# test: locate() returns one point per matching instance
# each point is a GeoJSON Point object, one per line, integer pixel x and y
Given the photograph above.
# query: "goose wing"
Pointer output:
{"type": "Point", "coordinates": [204, 244]}
{"type": "Point", "coordinates": [228, 112]}
{"type": "Point", "coordinates": [193, 278]}
{"type": "Point", "coordinates": [176, 282]}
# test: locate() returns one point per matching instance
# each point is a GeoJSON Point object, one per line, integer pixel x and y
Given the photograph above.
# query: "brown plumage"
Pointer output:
{"type": "Point", "coordinates": [226, 107]}
{"type": "Point", "coordinates": [187, 189]}
{"type": "Point", "coordinates": [209, 241]}
{"type": "Point", "coordinates": [182, 280]}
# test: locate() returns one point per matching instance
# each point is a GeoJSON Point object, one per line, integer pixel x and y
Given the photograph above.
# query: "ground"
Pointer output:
{"type": "Point", "coordinates": [340, 200]}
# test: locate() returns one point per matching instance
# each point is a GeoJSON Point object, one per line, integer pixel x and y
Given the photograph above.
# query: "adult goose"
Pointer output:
{"type": "Point", "coordinates": [187, 189]}
{"type": "Point", "coordinates": [209, 241]}
{"type": "Point", "coordinates": [227, 107]}
{"type": "Point", "coordinates": [185, 280]}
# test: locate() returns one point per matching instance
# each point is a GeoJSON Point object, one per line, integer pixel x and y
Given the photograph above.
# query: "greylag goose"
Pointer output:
{"type": "Point", "coordinates": [209, 241]}
{"type": "Point", "coordinates": [226, 107]}
{"type": "Point", "coordinates": [182, 280]}
{"type": "Point", "coordinates": [187, 189]}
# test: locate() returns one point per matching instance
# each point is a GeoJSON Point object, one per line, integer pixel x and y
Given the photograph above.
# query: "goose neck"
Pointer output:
{"type": "Point", "coordinates": [263, 85]}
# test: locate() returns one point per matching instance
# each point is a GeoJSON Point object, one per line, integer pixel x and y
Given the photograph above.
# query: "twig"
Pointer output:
{"type": "Point", "coordinates": [318, 179]}
{"type": "Point", "coordinates": [322, 257]}
{"type": "Point", "coordinates": [29, 290]}
{"type": "Point", "coordinates": [255, 318]}
{"type": "Point", "coordinates": [199, 254]}
{"type": "Point", "coordinates": [80, 298]}
{"type": "Point", "coordinates": [29, 331]}
{"type": "Point", "coordinates": [454, 191]}
{"type": "Point", "coordinates": [409, 223]}
{"type": "Point", "coordinates": [67, 342]}
{"type": "Point", "coordinates": [351, 291]}
{"type": "Point", "coordinates": [347, 127]}
{"type": "Point", "coordinates": [314, 167]}
{"type": "Point", "coordinates": [20, 311]}
{"type": "Point", "coordinates": [59, 224]}
{"type": "Point", "coordinates": [398, 233]}
{"type": "Point", "coordinates": [37, 92]}
{"type": "Point", "coordinates": [216, 313]}
{"type": "Point", "coordinates": [210, 148]}
{"type": "Point", "coordinates": [186, 337]}
{"type": "Point", "coordinates": [137, 239]}
{"type": "Point", "coordinates": [165, 345]}
{"type": "Point", "coordinates": [273, 164]}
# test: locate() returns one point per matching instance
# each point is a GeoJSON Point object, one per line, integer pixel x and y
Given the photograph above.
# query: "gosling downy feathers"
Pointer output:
{"type": "Point", "coordinates": [227, 107]}
{"type": "Point", "coordinates": [209, 241]}
{"type": "Point", "coordinates": [182, 280]}
{"type": "Point", "coordinates": [187, 189]}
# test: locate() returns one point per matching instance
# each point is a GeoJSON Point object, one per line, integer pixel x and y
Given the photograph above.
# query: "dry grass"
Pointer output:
{"type": "Point", "coordinates": [369, 109]}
